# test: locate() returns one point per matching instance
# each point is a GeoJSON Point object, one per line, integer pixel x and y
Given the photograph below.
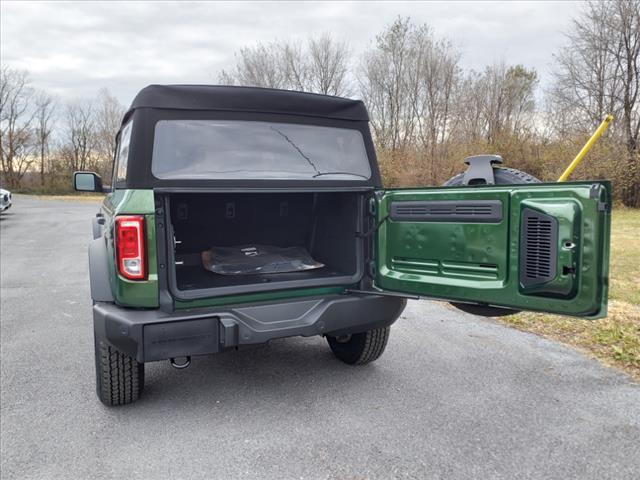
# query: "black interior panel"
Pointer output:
{"type": "Point", "coordinates": [324, 223]}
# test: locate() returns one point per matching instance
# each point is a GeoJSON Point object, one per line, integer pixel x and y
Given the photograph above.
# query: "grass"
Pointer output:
{"type": "Point", "coordinates": [614, 340]}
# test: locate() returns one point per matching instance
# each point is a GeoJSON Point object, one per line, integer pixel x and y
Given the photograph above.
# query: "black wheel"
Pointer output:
{"type": "Point", "coordinates": [119, 377]}
{"type": "Point", "coordinates": [502, 176]}
{"type": "Point", "coordinates": [360, 348]}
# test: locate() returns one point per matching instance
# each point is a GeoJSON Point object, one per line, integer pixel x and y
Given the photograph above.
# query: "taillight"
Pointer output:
{"type": "Point", "coordinates": [130, 247]}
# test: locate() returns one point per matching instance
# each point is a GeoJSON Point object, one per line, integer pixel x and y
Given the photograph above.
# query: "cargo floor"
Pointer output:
{"type": "Point", "coordinates": [195, 277]}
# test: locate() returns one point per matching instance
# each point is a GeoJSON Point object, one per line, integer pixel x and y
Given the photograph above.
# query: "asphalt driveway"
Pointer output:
{"type": "Point", "coordinates": [454, 396]}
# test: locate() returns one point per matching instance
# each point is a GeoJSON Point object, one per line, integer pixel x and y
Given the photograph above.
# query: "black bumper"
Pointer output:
{"type": "Point", "coordinates": [150, 335]}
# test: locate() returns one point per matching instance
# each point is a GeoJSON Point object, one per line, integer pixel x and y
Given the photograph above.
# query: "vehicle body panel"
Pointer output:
{"type": "Point", "coordinates": [142, 294]}
{"type": "Point", "coordinates": [150, 335]}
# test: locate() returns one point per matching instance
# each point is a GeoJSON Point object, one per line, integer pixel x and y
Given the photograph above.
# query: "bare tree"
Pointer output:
{"type": "Point", "coordinates": [469, 107]}
{"type": "Point", "coordinates": [383, 86]}
{"type": "Point", "coordinates": [497, 103]}
{"type": "Point", "coordinates": [328, 66]}
{"type": "Point", "coordinates": [586, 76]}
{"type": "Point", "coordinates": [259, 66]}
{"type": "Point", "coordinates": [520, 85]}
{"type": "Point", "coordinates": [598, 72]}
{"type": "Point", "coordinates": [294, 66]}
{"type": "Point", "coordinates": [44, 112]}
{"type": "Point", "coordinates": [409, 82]}
{"type": "Point", "coordinates": [16, 119]}
{"type": "Point", "coordinates": [320, 66]}
{"type": "Point", "coordinates": [226, 78]}
{"type": "Point", "coordinates": [108, 117]}
{"type": "Point", "coordinates": [432, 81]}
{"type": "Point", "coordinates": [625, 24]}
{"type": "Point", "coordinates": [80, 143]}
{"type": "Point", "coordinates": [509, 97]}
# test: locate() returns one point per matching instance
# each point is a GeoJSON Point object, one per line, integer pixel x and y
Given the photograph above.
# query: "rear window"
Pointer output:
{"type": "Point", "coordinates": [236, 149]}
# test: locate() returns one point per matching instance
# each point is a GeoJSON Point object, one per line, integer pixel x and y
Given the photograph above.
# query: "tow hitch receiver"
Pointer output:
{"type": "Point", "coordinates": [180, 366]}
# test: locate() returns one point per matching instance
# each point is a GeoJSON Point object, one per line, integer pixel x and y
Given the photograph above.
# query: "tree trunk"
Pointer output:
{"type": "Point", "coordinates": [631, 188]}
{"type": "Point", "coordinates": [42, 165]}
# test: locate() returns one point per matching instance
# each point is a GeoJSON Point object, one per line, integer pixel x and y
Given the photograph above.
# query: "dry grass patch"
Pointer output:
{"type": "Point", "coordinates": [624, 273]}
{"type": "Point", "coordinates": [614, 340]}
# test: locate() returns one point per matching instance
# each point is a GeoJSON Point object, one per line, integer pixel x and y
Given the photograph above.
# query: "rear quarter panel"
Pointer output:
{"type": "Point", "coordinates": [143, 294]}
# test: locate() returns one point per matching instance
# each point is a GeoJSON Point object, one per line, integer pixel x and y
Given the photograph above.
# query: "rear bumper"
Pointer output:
{"type": "Point", "coordinates": [150, 335]}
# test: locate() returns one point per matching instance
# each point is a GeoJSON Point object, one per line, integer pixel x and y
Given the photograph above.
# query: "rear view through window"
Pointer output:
{"type": "Point", "coordinates": [236, 149]}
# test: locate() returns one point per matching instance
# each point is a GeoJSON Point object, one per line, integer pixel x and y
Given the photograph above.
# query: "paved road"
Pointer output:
{"type": "Point", "coordinates": [454, 396]}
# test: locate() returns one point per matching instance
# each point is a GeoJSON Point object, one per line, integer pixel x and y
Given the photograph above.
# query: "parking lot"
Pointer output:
{"type": "Point", "coordinates": [454, 396]}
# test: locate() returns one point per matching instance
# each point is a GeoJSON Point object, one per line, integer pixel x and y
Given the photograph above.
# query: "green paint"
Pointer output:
{"type": "Point", "coordinates": [455, 261]}
{"type": "Point", "coordinates": [133, 202]}
{"type": "Point", "coordinates": [480, 262]}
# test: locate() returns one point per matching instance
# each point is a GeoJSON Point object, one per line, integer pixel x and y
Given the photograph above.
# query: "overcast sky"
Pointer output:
{"type": "Point", "coordinates": [73, 49]}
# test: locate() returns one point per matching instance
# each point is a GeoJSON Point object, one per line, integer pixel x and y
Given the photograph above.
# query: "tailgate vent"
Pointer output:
{"type": "Point", "coordinates": [472, 211]}
{"type": "Point", "coordinates": [538, 247]}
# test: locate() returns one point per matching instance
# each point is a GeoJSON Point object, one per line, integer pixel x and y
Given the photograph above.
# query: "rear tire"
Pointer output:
{"type": "Point", "coordinates": [360, 348]}
{"type": "Point", "coordinates": [502, 176]}
{"type": "Point", "coordinates": [119, 377]}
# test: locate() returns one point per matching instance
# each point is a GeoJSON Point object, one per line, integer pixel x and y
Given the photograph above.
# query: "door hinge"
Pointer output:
{"type": "Point", "coordinates": [372, 269]}
{"type": "Point", "coordinates": [374, 229]}
{"type": "Point", "coordinates": [372, 207]}
{"type": "Point", "coordinates": [595, 192]}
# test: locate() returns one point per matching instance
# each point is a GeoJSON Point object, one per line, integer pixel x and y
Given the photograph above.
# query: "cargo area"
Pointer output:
{"type": "Point", "coordinates": [325, 224]}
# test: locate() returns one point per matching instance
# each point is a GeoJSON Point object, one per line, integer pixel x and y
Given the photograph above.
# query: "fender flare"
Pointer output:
{"type": "Point", "coordinates": [96, 227]}
{"type": "Point", "coordinates": [99, 271]}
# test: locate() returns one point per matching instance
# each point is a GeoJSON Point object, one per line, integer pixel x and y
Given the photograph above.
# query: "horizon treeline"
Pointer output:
{"type": "Point", "coordinates": [427, 112]}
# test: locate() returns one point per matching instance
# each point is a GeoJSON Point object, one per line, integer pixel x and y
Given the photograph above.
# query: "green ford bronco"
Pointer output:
{"type": "Point", "coordinates": [238, 215]}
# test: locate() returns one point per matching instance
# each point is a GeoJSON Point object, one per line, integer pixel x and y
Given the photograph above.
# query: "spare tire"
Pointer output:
{"type": "Point", "coordinates": [502, 176]}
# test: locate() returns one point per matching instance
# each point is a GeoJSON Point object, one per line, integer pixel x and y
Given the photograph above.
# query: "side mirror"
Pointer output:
{"type": "Point", "coordinates": [87, 182]}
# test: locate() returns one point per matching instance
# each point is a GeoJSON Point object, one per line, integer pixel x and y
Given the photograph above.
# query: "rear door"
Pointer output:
{"type": "Point", "coordinates": [542, 247]}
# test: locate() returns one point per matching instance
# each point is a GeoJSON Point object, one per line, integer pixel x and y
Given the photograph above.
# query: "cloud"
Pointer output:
{"type": "Point", "coordinates": [76, 48]}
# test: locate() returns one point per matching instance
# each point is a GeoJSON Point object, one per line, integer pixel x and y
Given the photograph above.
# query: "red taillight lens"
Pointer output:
{"type": "Point", "coordinates": [130, 247]}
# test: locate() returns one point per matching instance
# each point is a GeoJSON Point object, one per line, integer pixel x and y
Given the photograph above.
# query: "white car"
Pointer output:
{"type": "Point", "coordinates": [5, 199]}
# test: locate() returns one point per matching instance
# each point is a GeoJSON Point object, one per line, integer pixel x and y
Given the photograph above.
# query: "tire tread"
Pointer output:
{"type": "Point", "coordinates": [120, 377]}
{"type": "Point", "coordinates": [363, 347]}
{"type": "Point", "coordinates": [503, 176]}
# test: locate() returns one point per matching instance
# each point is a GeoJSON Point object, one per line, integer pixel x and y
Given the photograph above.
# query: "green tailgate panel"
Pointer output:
{"type": "Point", "coordinates": [542, 247]}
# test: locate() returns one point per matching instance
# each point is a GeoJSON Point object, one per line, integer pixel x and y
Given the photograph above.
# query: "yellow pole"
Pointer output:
{"type": "Point", "coordinates": [587, 146]}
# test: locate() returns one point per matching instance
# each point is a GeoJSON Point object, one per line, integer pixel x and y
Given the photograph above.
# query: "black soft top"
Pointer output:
{"type": "Point", "coordinates": [248, 99]}
{"type": "Point", "coordinates": [175, 102]}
